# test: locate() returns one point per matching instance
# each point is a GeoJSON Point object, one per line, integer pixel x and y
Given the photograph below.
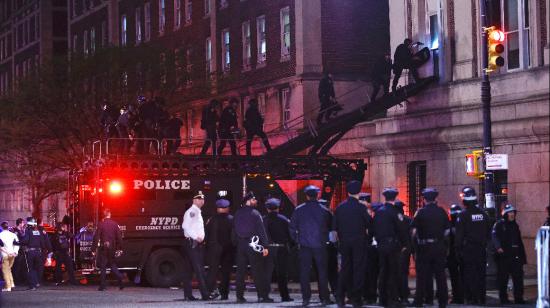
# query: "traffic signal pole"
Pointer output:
{"type": "Point", "coordinates": [486, 101]}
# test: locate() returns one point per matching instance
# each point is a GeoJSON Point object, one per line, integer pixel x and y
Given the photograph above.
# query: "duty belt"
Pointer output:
{"type": "Point", "coordinates": [33, 249]}
{"type": "Point", "coordinates": [277, 245]}
{"type": "Point", "coordinates": [427, 241]}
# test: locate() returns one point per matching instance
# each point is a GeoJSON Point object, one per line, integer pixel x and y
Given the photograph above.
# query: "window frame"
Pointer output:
{"type": "Point", "coordinates": [139, 30]}
{"type": "Point", "coordinates": [261, 57]}
{"type": "Point", "coordinates": [226, 50]}
{"type": "Point", "coordinates": [208, 54]}
{"type": "Point", "coordinates": [188, 12]}
{"type": "Point", "coordinates": [123, 30]}
{"type": "Point", "coordinates": [177, 14]}
{"type": "Point", "coordinates": [162, 17]}
{"type": "Point", "coordinates": [285, 106]}
{"type": "Point", "coordinates": [524, 57]}
{"type": "Point", "coordinates": [147, 21]}
{"type": "Point", "coordinates": [246, 33]}
{"type": "Point", "coordinates": [285, 50]}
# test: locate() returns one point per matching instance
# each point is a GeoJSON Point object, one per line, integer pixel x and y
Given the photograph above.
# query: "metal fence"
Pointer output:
{"type": "Point", "coordinates": [542, 246]}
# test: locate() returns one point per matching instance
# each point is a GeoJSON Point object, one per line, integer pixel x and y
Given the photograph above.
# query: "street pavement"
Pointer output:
{"type": "Point", "coordinates": [88, 296]}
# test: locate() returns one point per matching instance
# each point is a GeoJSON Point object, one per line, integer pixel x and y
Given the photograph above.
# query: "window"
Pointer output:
{"type": "Point", "coordinates": [434, 32]}
{"type": "Point", "coordinates": [512, 16]}
{"type": "Point", "coordinates": [224, 4]}
{"type": "Point", "coordinates": [260, 36]}
{"type": "Point", "coordinates": [285, 106]}
{"type": "Point", "coordinates": [285, 33]}
{"type": "Point", "coordinates": [138, 26]}
{"type": "Point", "coordinates": [85, 43]}
{"type": "Point", "coordinates": [75, 41]}
{"type": "Point", "coordinates": [416, 182]}
{"type": "Point", "coordinates": [147, 17]}
{"type": "Point", "coordinates": [189, 67]}
{"type": "Point", "coordinates": [189, 124]}
{"type": "Point", "coordinates": [162, 65]}
{"type": "Point", "coordinates": [188, 11]}
{"type": "Point", "coordinates": [177, 14]}
{"type": "Point", "coordinates": [103, 41]}
{"type": "Point", "coordinates": [73, 7]}
{"type": "Point", "coordinates": [92, 40]}
{"type": "Point", "coordinates": [162, 16]}
{"type": "Point", "coordinates": [123, 31]}
{"type": "Point", "coordinates": [226, 55]}
{"type": "Point", "coordinates": [208, 51]}
{"type": "Point", "coordinates": [247, 48]}
{"type": "Point", "coordinates": [206, 7]}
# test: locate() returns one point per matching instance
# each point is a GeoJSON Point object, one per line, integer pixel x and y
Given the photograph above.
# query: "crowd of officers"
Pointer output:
{"type": "Point", "coordinates": [360, 252]}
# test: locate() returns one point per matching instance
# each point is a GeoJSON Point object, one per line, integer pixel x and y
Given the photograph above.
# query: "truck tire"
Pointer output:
{"type": "Point", "coordinates": [165, 268]}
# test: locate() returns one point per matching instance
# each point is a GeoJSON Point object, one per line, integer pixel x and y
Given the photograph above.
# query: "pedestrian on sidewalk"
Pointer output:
{"type": "Point", "coordinates": [9, 252]}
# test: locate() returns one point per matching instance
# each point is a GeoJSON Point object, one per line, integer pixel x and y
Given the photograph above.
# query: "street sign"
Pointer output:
{"type": "Point", "coordinates": [496, 162]}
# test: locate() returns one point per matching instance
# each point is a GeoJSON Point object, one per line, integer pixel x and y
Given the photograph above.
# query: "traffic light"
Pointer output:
{"type": "Point", "coordinates": [495, 47]}
{"type": "Point", "coordinates": [474, 164]}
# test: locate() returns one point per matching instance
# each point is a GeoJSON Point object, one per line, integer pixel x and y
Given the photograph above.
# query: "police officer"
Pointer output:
{"type": "Point", "coordinates": [404, 255]}
{"type": "Point", "coordinates": [371, 269]}
{"type": "Point", "coordinates": [253, 124]}
{"type": "Point", "coordinates": [172, 133]}
{"type": "Point", "coordinates": [404, 58]}
{"type": "Point", "coordinates": [510, 255]}
{"type": "Point", "coordinates": [327, 99]}
{"type": "Point", "coordinates": [472, 233]}
{"type": "Point", "coordinates": [309, 228]}
{"type": "Point", "coordinates": [20, 269]}
{"type": "Point", "coordinates": [193, 230]}
{"type": "Point", "coordinates": [45, 251]}
{"type": "Point", "coordinates": [108, 242]}
{"type": "Point", "coordinates": [228, 125]}
{"type": "Point", "coordinates": [391, 239]}
{"type": "Point", "coordinates": [209, 122]}
{"type": "Point", "coordinates": [276, 226]}
{"type": "Point", "coordinates": [252, 247]}
{"type": "Point", "coordinates": [453, 263]}
{"type": "Point", "coordinates": [332, 255]}
{"type": "Point", "coordinates": [34, 243]}
{"type": "Point", "coordinates": [61, 243]}
{"type": "Point", "coordinates": [84, 240]}
{"type": "Point", "coordinates": [352, 224]}
{"type": "Point", "coordinates": [220, 248]}
{"type": "Point", "coordinates": [381, 75]}
{"type": "Point", "coordinates": [432, 227]}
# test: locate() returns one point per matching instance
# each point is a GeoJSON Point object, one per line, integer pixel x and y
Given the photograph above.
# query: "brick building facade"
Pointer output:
{"type": "Point", "coordinates": [31, 31]}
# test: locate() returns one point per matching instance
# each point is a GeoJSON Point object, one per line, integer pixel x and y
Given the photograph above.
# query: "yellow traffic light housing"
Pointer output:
{"type": "Point", "coordinates": [495, 46]}
{"type": "Point", "coordinates": [474, 164]}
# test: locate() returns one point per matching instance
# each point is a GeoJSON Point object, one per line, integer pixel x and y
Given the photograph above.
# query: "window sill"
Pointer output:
{"type": "Point", "coordinates": [285, 58]}
{"type": "Point", "coordinates": [246, 68]}
{"type": "Point", "coordinates": [261, 64]}
{"type": "Point", "coordinates": [188, 23]}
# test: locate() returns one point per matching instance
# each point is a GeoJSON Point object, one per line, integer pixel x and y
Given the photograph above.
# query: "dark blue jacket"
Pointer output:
{"type": "Point", "coordinates": [310, 224]}
{"type": "Point", "coordinates": [248, 223]}
{"type": "Point", "coordinates": [352, 221]}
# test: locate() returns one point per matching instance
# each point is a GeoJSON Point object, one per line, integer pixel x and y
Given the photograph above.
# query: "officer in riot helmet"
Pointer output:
{"type": "Point", "coordinates": [252, 248]}
{"type": "Point", "coordinates": [209, 122]}
{"type": "Point", "coordinates": [108, 119]}
{"type": "Point", "coordinates": [254, 126]}
{"type": "Point", "coordinates": [391, 239]}
{"type": "Point", "coordinates": [61, 244]}
{"type": "Point", "coordinates": [404, 59]}
{"type": "Point", "coordinates": [453, 263]}
{"type": "Point", "coordinates": [431, 226]}
{"type": "Point", "coordinates": [108, 242]}
{"type": "Point", "coordinates": [172, 132]}
{"type": "Point", "coordinates": [229, 126]}
{"type": "Point", "coordinates": [510, 255]}
{"type": "Point", "coordinates": [472, 234]}
{"type": "Point", "coordinates": [309, 227]}
{"type": "Point", "coordinates": [34, 243]}
{"type": "Point", "coordinates": [219, 247]}
{"type": "Point", "coordinates": [276, 226]}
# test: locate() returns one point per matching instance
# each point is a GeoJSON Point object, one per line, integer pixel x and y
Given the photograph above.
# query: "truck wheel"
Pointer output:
{"type": "Point", "coordinates": [164, 268]}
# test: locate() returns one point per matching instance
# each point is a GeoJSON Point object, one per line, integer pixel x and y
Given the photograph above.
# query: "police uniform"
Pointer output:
{"type": "Point", "coordinates": [309, 227]}
{"type": "Point", "coordinates": [404, 255]}
{"type": "Point", "coordinates": [453, 263]}
{"type": "Point", "coordinates": [248, 226]}
{"type": "Point", "coordinates": [352, 224]}
{"type": "Point", "coordinates": [510, 256]}
{"type": "Point", "coordinates": [44, 252]}
{"type": "Point", "coordinates": [228, 122]}
{"type": "Point", "coordinates": [332, 255]}
{"type": "Point", "coordinates": [107, 240]}
{"type": "Point", "coordinates": [209, 123]}
{"type": "Point", "coordinates": [276, 226]}
{"type": "Point", "coordinates": [61, 243]}
{"type": "Point", "coordinates": [20, 269]}
{"type": "Point", "coordinates": [390, 239]}
{"type": "Point", "coordinates": [253, 124]}
{"type": "Point", "coordinates": [220, 250]}
{"type": "Point", "coordinates": [370, 293]}
{"type": "Point", "coordinates": [472, 233]}
{"type": "Point", "coordinates": [34, 243]}
{"type": "Point", "coordinates": [193, 230]}
{"type": "Point", "coordinates": [432, 226]}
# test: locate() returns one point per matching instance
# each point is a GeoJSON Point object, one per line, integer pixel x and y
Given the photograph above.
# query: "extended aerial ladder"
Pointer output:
{"type": "Point", "coordinates": [321, 139]}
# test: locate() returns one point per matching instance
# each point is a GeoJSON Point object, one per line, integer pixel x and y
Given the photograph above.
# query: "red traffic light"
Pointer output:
{"type": "Point", "coordinates": [115, 187]}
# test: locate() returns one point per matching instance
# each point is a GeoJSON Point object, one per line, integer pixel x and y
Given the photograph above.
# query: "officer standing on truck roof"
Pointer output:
{"type": "Point", "coordinates": [219, 248]}
{"type": "Point", "coordinates": [193, 229]}
{"type": "Point", "coordinates": [252, 241]}
{"type": "Point", "coordinates": [108, 241]}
